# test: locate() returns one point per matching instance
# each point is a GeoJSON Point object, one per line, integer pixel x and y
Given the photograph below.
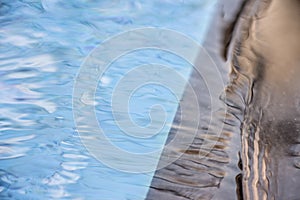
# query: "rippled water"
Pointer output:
{"type": "Point", "coordinates": [43, 43]}
{"type": "Point", "coordinates": [245, 148]}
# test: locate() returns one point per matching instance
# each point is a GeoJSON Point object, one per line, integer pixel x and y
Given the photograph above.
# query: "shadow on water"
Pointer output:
{"type": "Point", "coordinates": [209, 167]}
{"type": "Point", "coordinates": [257, 156]}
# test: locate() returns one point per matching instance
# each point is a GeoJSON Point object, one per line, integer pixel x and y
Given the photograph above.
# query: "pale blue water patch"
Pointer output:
{"type": "Point", "coordinates": [141, 100]}
{"type": "Point", "coordinates": [43, 43]}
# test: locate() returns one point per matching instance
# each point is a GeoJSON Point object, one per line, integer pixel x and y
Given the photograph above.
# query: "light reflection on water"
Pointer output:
{"type": "Point", "coordinates": [43, 44]}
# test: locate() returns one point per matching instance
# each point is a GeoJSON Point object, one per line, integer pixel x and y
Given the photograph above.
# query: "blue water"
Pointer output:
{"type": "Point", "coordinates": [43, 44]}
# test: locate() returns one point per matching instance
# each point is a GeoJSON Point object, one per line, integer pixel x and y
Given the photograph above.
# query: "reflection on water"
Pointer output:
{"type": "Point", "coordinates": [266, 63]}
{"type": "Point", "coordinates": [43, 43]}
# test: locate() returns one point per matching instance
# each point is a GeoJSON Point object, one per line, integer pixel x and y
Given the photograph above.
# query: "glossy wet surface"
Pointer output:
{"type": "Point", "coordinates": [262, 99]}
{"type": "Point", "coordinates": [266, 62]}
{"type": "Point", "coordinates": [255, 156]}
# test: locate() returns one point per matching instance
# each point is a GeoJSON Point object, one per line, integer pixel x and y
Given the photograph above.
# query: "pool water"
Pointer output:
{"type": "Point", "coordinates": [43, 45]}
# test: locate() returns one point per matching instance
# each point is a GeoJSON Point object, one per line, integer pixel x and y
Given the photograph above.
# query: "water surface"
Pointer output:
{"type": "Point", "coordinates": [43, 44]}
